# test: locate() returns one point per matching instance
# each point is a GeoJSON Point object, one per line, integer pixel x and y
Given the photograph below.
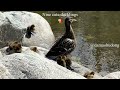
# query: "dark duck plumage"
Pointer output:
{"type": "Point", "coordinates": [65, 45]}
{"type": "Point", "coordinates": [30, 30]}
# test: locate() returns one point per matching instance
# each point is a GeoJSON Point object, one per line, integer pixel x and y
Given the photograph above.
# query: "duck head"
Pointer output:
{"type": "Point", "coordinates": [69, 20]}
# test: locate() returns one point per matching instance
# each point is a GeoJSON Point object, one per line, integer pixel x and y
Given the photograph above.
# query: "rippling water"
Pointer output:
{"type": "Point", "coordinates": [92, 27]}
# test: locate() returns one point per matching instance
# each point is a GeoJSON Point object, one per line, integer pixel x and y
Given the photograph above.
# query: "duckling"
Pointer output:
{"type": "Point", "coordinates": [34, 49]}
{"type": "Point", "coordinates": [64, 61]}
{"type": "Point", "coordinates": [89, 75]}
{"type": "Point", "coordinates": [61, 61]}
{"type": "Point", "coordinates": [30, 30]}
{"type": "Point", "coordinates": [14, 47]}
{"type": "Point", "coordinates": [66, 44]}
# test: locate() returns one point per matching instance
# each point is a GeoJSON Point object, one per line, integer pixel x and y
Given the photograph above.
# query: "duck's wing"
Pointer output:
{"type": "Point", "coordinates": [62, 47]}
{"type": "Point", "coordinates": [68, 44]}
{"type": "Point", "coordinates": [56, 49]}
{"type": "Point", "coordinates": [57, 42]}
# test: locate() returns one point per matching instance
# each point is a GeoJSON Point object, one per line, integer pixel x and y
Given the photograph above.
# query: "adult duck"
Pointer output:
{"type": "Point", "coordinates": [66, 44]}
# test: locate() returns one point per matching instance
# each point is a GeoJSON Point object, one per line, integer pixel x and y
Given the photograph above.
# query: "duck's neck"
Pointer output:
{"type": "Point", "coordinates": [69, 32]}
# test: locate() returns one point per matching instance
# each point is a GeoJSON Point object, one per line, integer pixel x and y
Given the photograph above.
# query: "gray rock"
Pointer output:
{"type": "Point", "coordinates": [4, 73]}
{"type": "Point", "coordinates": [113, 75]}
{"type": "Point", "coordinates": [41, 51]}
{"type": "Point", "coordinates": [80, 69]}
{"type": "Point", "coordinates": [13, 23]}
{"type": "Point", "coordinates": [31, 65]}
{"type": "Point", "coordinates": [1, 55]}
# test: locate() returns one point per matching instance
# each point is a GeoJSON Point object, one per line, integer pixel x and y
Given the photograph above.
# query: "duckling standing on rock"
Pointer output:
{"type": "Point", "coordinates": [61, 61]}
{"type": "Point", "coordinates": [89, 75]}
{"type": "Point", "coordinates": [64, 61]}
{"type": "Point", "coordinates": [27, 32]}
{"type": "Point", "coordinates": [34, 49]}
{"type": "Point", "coordinates": [14, 47]}
{"type": "Point", "coordinates": [65, 45]}
{"type": "Point", "coordinates": [30, 31]}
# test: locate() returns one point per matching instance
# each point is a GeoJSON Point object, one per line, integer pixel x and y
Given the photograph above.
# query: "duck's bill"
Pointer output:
{"type": "Point", "coordinates": [73, 20]}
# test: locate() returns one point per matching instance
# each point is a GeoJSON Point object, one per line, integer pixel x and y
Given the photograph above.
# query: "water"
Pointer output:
{"type": "Point", "coordinates": [92, 27]}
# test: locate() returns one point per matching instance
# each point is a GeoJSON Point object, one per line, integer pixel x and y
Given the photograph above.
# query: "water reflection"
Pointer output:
{"type": "Point", "coordinates": [92, 27]}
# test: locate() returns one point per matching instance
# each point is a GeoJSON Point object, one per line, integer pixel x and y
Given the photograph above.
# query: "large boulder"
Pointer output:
{"type": "Point", "coordinates": [32, 65]}
{"type": "Point", "coordinates": [78, 68]}
{"type": "Point", "coordinates": [13, 23]}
